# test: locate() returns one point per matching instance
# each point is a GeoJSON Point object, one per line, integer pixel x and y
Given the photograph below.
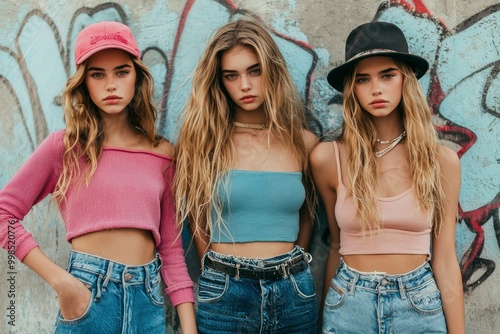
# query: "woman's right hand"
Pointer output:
{"type": "Point", "coordinates": [74, 298]}
{"type": "Point", "coordinates": [73, 295]}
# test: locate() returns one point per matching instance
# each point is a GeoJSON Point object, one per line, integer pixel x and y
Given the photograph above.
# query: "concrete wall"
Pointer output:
{"type": "Point", "coordinates": [460, 38]}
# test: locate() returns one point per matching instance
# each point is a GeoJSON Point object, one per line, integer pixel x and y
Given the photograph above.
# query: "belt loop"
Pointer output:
{"type": "Point", "coordinates": [98, 288]}
{"type": "Point", "coordinates": [203, 258]}
{"type": "Point", "coordinates": [401, 289]}
{"type": "Point", "coordinates": [159, 262]}
{"type": "Point", "coordinates": [70, 261]}
{"type": "Point", "coordinates": [308, 257]}
{"type": "Point", "coordinates": [238, 270]}
{"type": "Point", "coordinates": [353, 285]}
{"type": "Point", "coordinates": [284, 268]}
{"type": "Point", "coordinates": [107, 276]}
{"type": "Point", "coordinates": [147, 279]}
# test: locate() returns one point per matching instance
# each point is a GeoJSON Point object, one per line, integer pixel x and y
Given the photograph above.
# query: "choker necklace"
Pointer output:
{"type": "Point", "coordinates": [392, 143]}
{"type": "Point", "coordinates": [250, 126]}
{"type": "Point", "coordinates": [392, 140]}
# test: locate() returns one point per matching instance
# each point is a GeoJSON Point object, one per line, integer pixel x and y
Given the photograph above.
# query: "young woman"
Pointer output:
{"type": "Point", "coordinates": [111, 174]}
{"type": "Point", "coordinates": [391, 197]}
{"type": "Point", "coordinates": [243, 184]}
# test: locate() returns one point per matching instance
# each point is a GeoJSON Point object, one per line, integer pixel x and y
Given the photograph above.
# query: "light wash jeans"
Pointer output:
{"type": "Point", "coordinates": [227, 304]}
{"type": "Point", "coordinates": [125, 299]}
{"type": "Point", "coordinates": [368, 303]}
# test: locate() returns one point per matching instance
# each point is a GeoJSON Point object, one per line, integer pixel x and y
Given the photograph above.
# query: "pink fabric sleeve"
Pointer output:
{"type": "Point", "coordinates": [179, 286]}
{"type": "Point", "coordinates": [35, 179]}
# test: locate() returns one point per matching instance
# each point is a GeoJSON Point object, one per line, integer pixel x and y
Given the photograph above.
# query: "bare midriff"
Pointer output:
{"type": "Point", "coordinates": [254, 250]}
{"type": "Point", "coordinates": [392, 264]}
{"type": "Point", "coordinates": [128, 245]}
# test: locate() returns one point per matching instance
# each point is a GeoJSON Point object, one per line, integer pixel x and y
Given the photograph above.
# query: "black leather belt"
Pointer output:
{"type": "Point", "coordinates": [283, 270]}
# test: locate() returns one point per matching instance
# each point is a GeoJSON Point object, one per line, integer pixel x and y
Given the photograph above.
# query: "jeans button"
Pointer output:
{"type": "Point", "coordinates": [128, 277]}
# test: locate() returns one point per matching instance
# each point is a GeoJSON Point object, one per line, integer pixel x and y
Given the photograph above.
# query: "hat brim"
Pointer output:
{"type": "Point", "coordinates": [336, 75]}
{"type": "Point", "coordinates": [133, 52]}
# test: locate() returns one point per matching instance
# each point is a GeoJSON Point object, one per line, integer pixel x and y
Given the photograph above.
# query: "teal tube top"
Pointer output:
{"type": "Point", "coordinates": [259, 206]}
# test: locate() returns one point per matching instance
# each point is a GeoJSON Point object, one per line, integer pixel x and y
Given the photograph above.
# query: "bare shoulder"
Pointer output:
{"type": "Point", "coordinates": [447, 157]}
{"type": "Point", "coordinates": [324, 166]}
{"type": "Point", "coordinates": [310, 139]}
{"type": "Point", "coordinates": [323, 154]}
{"type": "Point", "coordinates": [165, 148]}
{"type": "Point", "coordinates": [450, 168]}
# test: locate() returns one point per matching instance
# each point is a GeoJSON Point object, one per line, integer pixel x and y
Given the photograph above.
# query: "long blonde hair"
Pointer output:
{"type": "Point", "coordinates": [204, 150]}
{"type": "Point", "coordinates": [421, 146]}
{"type": "Point", "coordinates": [84, 134]}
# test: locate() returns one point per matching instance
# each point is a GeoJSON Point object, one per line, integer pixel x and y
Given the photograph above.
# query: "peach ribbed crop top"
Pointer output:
{"type": "Point", "coordinates": [404, 226]}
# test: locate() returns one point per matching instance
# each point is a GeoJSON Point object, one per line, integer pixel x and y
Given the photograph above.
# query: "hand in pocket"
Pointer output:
{"type": "Point", "coordinates": [74, 299]}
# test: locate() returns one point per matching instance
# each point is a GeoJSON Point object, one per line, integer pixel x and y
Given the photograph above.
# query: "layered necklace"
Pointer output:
{"type": "Point", "coordinates": [252, 126]}
{"type": "Point", "coordinates": [392, 143]}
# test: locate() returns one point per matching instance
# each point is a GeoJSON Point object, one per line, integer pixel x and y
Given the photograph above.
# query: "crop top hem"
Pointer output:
{"type": "Point", "coordinates": [112, 226]}
{"type": "Point", "coordinates": [387, 241]}
{"type": "Point", "coordinates": [250, 241]}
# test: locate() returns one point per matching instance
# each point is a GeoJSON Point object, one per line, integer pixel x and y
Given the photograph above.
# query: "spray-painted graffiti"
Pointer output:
{"type": "Point", "coordinates": [473, 79]}
{"type": "Point", "coordinates": [463, 91]}
{"type": "Point", "coordinates": [462, 86]}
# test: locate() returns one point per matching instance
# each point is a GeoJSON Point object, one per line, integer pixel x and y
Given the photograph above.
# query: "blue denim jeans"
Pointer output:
{"type": "Point", "coordinates": [360, 302]}
{"type": "Point", "coordinates": [229, 304]}
{"type": "Point", "coordinates": [125, 299]}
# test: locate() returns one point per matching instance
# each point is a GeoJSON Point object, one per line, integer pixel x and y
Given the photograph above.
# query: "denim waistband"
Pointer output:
{"type": "Point", "coordinates": [382, 281]}
{"type": "Point", "coordinates": [113, 270]}
{"type": "Point", "coordinates": [258, 264]}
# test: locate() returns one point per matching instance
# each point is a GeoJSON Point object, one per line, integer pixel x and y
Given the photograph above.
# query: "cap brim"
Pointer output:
{"type": "Point", "coordinates": [92, 52]}
{"type": "Point", "coordinates": [336, 76]}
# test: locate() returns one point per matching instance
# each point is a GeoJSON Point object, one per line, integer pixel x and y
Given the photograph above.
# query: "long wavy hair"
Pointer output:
{"type": "Point", "coordinates": [204, 152]}
{"type": "Point", "coordinates": [84, 134]}
{"type": "Point", "coordinates": [421, 145]}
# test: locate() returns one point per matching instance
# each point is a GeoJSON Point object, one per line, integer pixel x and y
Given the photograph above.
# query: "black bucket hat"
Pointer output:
{"type": "Point", "coordinates": [375, 39]}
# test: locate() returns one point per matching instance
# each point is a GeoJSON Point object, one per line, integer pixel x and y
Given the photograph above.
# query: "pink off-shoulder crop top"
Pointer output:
{"type": "Point", "coordinates": [130, 189]}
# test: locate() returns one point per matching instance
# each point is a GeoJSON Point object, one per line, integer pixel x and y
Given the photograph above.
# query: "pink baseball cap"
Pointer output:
{"type": "Point", "coordinates": [104, 35]}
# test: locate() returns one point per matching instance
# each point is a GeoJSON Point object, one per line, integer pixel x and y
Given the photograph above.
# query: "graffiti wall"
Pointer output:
{"type": "Point", "coordinates": [460, 40]}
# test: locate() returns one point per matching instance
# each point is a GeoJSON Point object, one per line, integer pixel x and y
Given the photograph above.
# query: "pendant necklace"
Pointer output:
{"type": "Point", "coordinates": [250, 126]}
{"type": "Point", "coordinates": [392, 142]}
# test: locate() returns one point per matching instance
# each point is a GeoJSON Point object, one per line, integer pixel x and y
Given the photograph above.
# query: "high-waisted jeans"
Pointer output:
{"type": "Point", "coordinates": [230, 304]}
{"type": "Point", "coordinates": [125, 299]}
{"type": "Point", "coordinates": [359, 302]}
